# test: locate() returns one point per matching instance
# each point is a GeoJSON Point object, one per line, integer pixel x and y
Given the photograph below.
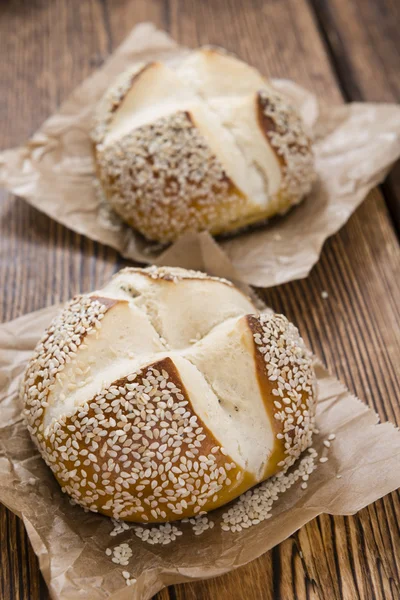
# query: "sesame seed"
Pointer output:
{"type": "Point", "coordinates": [288, 365]}
{"type": "Point", "coordinates": [255, 505]}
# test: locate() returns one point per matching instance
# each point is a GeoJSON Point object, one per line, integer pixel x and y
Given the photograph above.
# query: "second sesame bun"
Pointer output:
{"type": "Point", "coordinates": [166, 395]}
{"type": "Point", "coordinates": [208, 145]}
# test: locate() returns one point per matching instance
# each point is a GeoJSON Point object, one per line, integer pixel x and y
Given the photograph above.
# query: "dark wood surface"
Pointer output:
{"type": "Point", "coordinates": [362, 41]}
{"type": "Point", "coordinates": [337, 50]}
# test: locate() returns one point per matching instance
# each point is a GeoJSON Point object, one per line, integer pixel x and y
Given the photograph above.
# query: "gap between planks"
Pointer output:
{"type": "Point", "coordinates": [339, 53]}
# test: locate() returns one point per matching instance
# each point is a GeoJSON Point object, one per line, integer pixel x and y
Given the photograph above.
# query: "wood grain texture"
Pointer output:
{"type": "Point", "coordinates": [354, 330]}
{"type": "Point", "coordinates": [363, 43]}
{"type": "Point", "coordinates": [50, 49]}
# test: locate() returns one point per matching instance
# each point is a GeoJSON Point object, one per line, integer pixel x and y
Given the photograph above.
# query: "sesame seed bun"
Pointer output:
{"type": "Point", "coordinates": [206, 145]}
{"type": "Point", "coordinates": [166, 395]}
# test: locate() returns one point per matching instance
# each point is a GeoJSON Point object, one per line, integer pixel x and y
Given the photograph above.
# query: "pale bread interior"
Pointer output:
{"type": "Point", "coordinates": [181, 313]}
{"type": "Point", "coordinates": [219, 92]}
{"type": "Point", "coordinates": [225, 358]}
{"type": "Point", "coordinates": [229, 88]}
{"type": "Point", "coordinates": [218, 370]}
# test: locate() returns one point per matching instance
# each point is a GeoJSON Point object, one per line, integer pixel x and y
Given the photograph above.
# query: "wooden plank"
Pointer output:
{"type": "Point", "coordinates": [50, 48]}
{"type": "Point", "coordinates": [362, 39]}
{"type": "Point", "coordinates": [353, 330]}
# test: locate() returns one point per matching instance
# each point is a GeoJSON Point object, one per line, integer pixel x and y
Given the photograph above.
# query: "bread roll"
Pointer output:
{"type": "Point", "coordinates": [207, 145]}
{"type": "Point", "coordinates": [166, 394]}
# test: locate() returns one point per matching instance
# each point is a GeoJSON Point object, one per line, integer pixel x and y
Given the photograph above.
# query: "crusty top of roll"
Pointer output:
{"type": "Point", "coordinates": [208, 144]}
{"type": "Point", "coordinates": [166, 394]}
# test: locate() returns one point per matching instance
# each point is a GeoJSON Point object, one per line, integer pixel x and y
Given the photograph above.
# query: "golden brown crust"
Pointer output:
{"type": "Point", "coordinates": [106, 460]}
{"type": "Point", "coordinates": [164, 180]}
{"type": "Point", "coordinates": [284, 131]}
{"type": "Point", "coordinates": [138, 450]}
{"type": "Point", "coordinates": [113, 99]}
{"type": "Point", "coordinates": [287, 378]}
{"type": "Point", "coordinates": [79, 318]}
{"type": "Point", "coordinates": [266, 386]}
{"type": "Point", "coordinates": [133, 78]}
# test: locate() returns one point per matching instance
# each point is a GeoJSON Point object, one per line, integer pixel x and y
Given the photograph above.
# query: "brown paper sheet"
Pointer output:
{"type": "Point", "coordinates": [354, 146]}
{"type": "Point", "coordinates": [71, 544]}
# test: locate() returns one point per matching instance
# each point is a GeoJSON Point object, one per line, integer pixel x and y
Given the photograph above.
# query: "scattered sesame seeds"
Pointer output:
{"type": "Point", "coordinates": [251, 508]}
{"type": "Point", "coordinates": [331, 437]}
{"type": "Point", "coordinates": [324, 295]}
{"type": "Point", "coordinates": [255, 505]}
{"type": "Point", "coordinates": [120, 554]}
{"type": "Point", "coordinates": [323, 459]}
{"type": "Point", "coordinates": [129, 580]}
{"type": "Point", "coordinates": [159, 534]}
{"type": "Point", "coordinates": [119, 527]}
{"type": "Point", "coordinates": [200, 524]}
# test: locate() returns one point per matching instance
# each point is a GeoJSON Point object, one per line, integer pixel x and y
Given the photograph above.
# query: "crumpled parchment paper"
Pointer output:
{"type": "Point", "coordinates": [71, 544]}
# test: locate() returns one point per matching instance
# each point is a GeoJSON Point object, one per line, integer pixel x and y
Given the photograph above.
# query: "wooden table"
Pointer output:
{"type": "Point", "coordinates": [341, 49]}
